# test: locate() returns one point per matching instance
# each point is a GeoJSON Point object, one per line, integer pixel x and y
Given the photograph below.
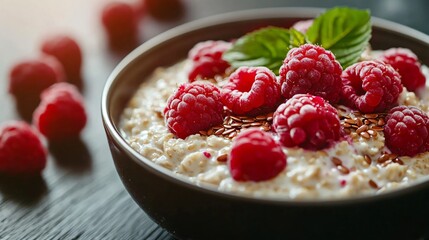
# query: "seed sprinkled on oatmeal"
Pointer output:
{"type": "Point", "coordinates": [232, 125]}
{"type": "Point", "coordinates": [372, 184]}
{"type": "Point", "coordinates": [222, 158]}
{"type": "Point", "coordinates": [365, 125]}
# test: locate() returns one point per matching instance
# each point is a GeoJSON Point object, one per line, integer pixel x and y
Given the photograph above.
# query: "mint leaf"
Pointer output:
{"type": "Point", "coordinates": [265, 47]}
{"type": "Point", "coordinates": [344, 31]}
{"type": "Point", "coordinates": [297, 38]}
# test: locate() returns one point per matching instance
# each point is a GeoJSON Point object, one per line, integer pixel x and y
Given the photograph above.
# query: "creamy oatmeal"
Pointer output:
{"type": "Point", "coordinates": [358, 164]}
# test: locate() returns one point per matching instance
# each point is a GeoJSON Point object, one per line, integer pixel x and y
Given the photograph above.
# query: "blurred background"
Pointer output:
{"type": "Point", "coordinates": [79, 195]}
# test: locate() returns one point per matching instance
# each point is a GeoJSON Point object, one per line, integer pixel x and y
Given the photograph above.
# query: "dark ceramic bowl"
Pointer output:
{"type": "Point", "coordinates": [193, 212]}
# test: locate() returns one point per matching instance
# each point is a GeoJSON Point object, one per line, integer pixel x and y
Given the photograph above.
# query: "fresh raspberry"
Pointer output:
{"type": "Point", "coordinates": [407, 131]}
{"type": "Point", "coordinates": [61, 113]}
{"type": "Point", "coordinates": [307, 121]}
{"type": "Point", "coordinates": [311, 69]}
{"type": "Point", "coordinates": [120, 24]}
{"type": "Point", "coordinates": [251, 91]}
{"type": "Point", "coordinates": [303, 25]}
{"type": "Point", "coordinates": [407, 65]}
{"type": "Point", "coordinates": [21, 151]}
{"type": "Point", "coordinates": [207, 59]}
{"type": "Point", "coordinates": [164, 10]}
{"type": "Point", "coordinates": [29, 78]}
{"type": "Point", "coordinates": [371, 86]}
{"type": "Point", "coordinates": [255, 156]}
{"type": "Point", "coordinates": [68, 53]}
{"type": "Point", "coordinates": [193, 107]}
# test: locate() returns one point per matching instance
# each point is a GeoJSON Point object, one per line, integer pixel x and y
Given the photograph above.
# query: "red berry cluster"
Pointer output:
{"type": "Point", "coordinates": [301, 97]}
{"type": "Point", "coordinates": [57, 108]}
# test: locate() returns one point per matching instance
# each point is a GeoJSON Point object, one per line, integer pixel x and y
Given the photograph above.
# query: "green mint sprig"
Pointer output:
{"type": "Point", "coordinates": [344, 31]}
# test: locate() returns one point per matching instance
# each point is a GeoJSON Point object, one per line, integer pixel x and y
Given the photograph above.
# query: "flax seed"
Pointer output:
{"type": "Point", "coordinates": [235, 118]}
{"type": "Point", "coordinates": [367, 159]}
{"type": "Point", "coordinates": [398, 161]}
{"type": "Point", "coordinates": [343, 170]}
{"type": "Point", "coordinates": [210, 132]}
{"type": "Point", "coordinates": [372, 184]}
{"type": "Point", "coordinates": [248, 120]}
{"type": "Point", "coordinates": [361, 129]}
{"type": "Point", "coordinates": [336, 161]}
{"type": "Point", "coordinates": [219, 131]}
{"type": "Point", "coordinates": [260, 118]}
{"type": "Point", "coordinates": [227, 132]}
{"type": "Point", "coordinates": [222, 158]}
{"type": "Point", "coordinates": [372, 133]}
{"type": "Point", "coordinates": [370, 115]}
{"type": "Point", "coordinates": [350, 121]}
{"type": "Point", "coordinates": [233, 134]}
{"type": "Point", "coordinates": [377, 128]}
{"type": "Point", "coordinates": [359, 122]}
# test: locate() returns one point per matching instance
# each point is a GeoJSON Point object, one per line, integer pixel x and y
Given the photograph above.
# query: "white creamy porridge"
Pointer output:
{"type": "Point", "coordinates": [354, 166]}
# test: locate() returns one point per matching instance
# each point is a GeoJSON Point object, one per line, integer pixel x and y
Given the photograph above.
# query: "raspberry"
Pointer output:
{"type": "Point", "coordinates": [255, 156]}
{"type": "Point", "coordinates": [61, 114]}
{"type": "Point", "coordinates": [407, 65]}
{"type": "Point", "coordinates": [303, 25]}
{"type": "Point", "coordinates": [120, 24]}
{"type": "Point", "coordinates": [306, 121]}
{"type": "Point", "coordinates": [164, 10]}
{"type": "Point", "coordinates": [311, 69]}
{"type": "Point", "coordinates": [29, 78]}
{"type": "Point", "coordinates": [207, 59]}
{"type": "Point", "coordinates": [193, 107]}
{"type": "Point", "coordinates": [68, 53]}
{"type": "Point", "coordinates": [252, 91]}
{"type": "Point", "coordinates": [21, 151]}
{"type": "Point", "coordinates": [407, 131]}
{"type": "Point", "coordinates": [370, 86]}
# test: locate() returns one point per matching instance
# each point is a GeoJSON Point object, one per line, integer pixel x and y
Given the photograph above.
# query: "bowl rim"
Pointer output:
{"type": "Point", "coordinates": [224, 18]}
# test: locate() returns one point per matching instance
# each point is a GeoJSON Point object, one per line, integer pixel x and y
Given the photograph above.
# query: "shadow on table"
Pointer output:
{"type": "Point", "coordinates": [72, 155]}
{"type": "Point", "coordinates": [27, 190]}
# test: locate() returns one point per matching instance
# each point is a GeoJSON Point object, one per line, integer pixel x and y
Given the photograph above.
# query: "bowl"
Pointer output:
{"type": "Point", "coordinates": [189, 211]}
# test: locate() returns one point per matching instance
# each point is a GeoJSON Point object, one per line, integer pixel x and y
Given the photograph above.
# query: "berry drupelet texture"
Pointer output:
{"type": "Point", "coordinates": [255, 156]}
{"type": "Point", "coordinates": [193, 107]}
{"type": "Point", "coordinates": [307, 121]}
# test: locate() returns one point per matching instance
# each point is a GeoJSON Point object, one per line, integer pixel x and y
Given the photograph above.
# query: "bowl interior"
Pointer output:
{"type": "Point", "coordinates": [173, 46]}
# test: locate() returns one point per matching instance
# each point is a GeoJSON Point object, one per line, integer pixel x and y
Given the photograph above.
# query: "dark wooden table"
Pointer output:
{"type": "Point", "coordinates": [79, 195]}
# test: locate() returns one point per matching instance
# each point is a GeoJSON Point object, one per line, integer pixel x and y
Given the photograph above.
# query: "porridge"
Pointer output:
{"type": "Point", "coordinates": [358, 161]}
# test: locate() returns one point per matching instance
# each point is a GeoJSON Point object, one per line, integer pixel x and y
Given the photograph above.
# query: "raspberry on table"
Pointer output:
{"type": "Point", "coordinates": [255, 156]}
{"type": "Point", "coordinates": [370, 86]}
{"type": "Point", "coordinates": [251, 91]}
{"type": "Point", "coordinates": [307, 121]}
{"type": "Point", "coordinates": [193, 107]}
{"type": "Point", "coordinates": [303, 25]}
{"type": "Point", "coordinates": [408, 66]}
{"type": "Point", "coordinates": [407, 131]}
{"type": "Point", "coordinates": [27, 79]}
{"type": "Point", "coordinates": [207, 59]}
{"type": "Point", "coordinates": [120, 24]}
{"type": "Point", "coordinates": [311, 69]}
{"type": "Point", "coordinates": [61, 114]}
{"type": "Point", "coordinates": [21, 150]}
{"type": "Point", "coordinates": [67, 51]}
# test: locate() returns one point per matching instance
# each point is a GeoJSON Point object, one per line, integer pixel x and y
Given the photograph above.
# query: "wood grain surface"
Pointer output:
{"type": "Point", "coordinates": [79, 195]}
